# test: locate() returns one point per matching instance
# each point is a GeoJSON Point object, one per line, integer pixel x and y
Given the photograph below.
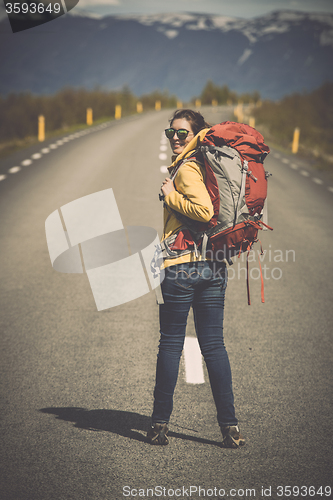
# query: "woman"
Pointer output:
{"type": "Point", "coordinates": [191, 281]}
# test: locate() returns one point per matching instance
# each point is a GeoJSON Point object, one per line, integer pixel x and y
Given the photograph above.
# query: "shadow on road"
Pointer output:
{"type": "Point", "coordinates": [124, 423]}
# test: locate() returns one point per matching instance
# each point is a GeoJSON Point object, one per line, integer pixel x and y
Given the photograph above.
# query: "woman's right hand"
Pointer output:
{"type": "Point", "coordinates": [167, 186]}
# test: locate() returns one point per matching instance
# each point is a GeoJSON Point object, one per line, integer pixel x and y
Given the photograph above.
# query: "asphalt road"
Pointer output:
{"type": "Point", "coordinates": [76, 384]}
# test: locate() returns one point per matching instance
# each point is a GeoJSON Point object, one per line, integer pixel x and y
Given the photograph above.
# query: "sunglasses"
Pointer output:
{"type": "Point", "coordinates": [182, 133]}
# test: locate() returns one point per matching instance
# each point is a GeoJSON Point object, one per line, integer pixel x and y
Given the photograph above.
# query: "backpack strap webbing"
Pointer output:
{"type": "Point", "coordinates": [204, 246]}
{"type": "Point", "coordinates": [242, 190]}
{"type": "Point", "coordinates": [177, 167]}
{"type": "Point", "coordinates": [185, 160]}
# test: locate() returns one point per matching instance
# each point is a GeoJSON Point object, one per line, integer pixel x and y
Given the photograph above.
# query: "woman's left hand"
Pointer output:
{"type": "Point", "coordinates": [167, 186]}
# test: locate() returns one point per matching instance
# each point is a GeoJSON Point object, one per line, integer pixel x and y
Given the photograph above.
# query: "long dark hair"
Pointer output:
{"type": "Point", "coordinates": [195, 119]}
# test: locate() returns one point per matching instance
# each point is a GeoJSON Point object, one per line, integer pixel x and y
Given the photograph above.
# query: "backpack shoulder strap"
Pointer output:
{"type": "Point", "coordinates": [181, 162]}
{"type": "Point", "coordinates": [193, 156]}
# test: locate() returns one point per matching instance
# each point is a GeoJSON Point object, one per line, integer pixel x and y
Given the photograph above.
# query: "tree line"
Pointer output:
{"type": "Point", "coordinates": [223, 95]}
{"type": "Point", "coordinates": [19, 112]}
{"type": "Point", "coordinates": [311, 112]}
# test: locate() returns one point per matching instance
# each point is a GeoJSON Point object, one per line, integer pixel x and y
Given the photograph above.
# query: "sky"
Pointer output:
{"type": "Point", "coordinates": [232, 8]}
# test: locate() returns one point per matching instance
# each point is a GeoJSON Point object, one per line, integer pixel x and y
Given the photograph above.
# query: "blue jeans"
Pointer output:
{"type": "Point", "coordinates": [200, 285]}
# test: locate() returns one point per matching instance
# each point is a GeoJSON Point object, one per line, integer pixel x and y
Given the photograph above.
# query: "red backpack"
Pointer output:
{"type": "Point", "coordinates": [233, 155]}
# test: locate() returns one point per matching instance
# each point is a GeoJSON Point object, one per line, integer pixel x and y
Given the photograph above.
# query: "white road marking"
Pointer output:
{"type": "Point", "coordinates": [164, 169]}
{"type": "Point", "coordinates": [37, 156]}
{"type": "Point", "coordinates": [163, 148]}
{"type": "Point", "coordinates": [276, 155]}
{"type": "Point", "coordinates": [294, 166]}
{"type": "Point", "coordinates": [305, 173]}
{"type": "Point", "coordinates": [163, 156]}
{"type": "Point", "coordinates": [285, 160]}
{"type": "Point", "coordinates": [26, 163]}
{"type": "Point", "coordinates": [330, 188]}
{"type": "Point", "coordinates": [13, 170]}
{"type": "Point", "coordinates": [317, 181]}
{"type": "Point", "coordinates": [193, 361]}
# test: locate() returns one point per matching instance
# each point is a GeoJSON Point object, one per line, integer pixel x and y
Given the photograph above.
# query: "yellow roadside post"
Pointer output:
{"type": "Point", "coordinates": [238, 112]}
{"type": "Point", "coordinates": [41, 128]}
{"type": "Point", "coordinates": [89, 116]}
{"type": "Point", "coordinates": [252, 122]}
{"type": "Point", "coordinates": [197, 103]}
{"type": "Point", "coordinates": [158, 105]}
{"type": "Point", "coordinates": [179, 104]}
{"type": "Point", "coordinates": [295, 144]}
{"type": "Point", "coordinates": [117, 113]}
{"type": "Point", "coordinates": [214, 103]}
{"type": "Point", "coordinates": [139, 107]}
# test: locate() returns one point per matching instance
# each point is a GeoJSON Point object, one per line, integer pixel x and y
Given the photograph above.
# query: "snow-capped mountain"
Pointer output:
{"type": "Point", "coordinates": [276, 54]}
{"type": "Point", "coordinates": [253, 29]}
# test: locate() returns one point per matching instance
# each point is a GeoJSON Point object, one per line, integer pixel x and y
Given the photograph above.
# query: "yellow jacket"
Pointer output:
{"type": "Point", "coordinates": [190, 198]}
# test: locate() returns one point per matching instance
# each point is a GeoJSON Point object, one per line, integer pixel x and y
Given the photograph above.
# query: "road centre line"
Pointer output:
{"type": "Point", "coordinates": [163, 156]}
{"type": "Point", "coordinates": [193, 361]}
{"type": "Point", "coordinates": [26, 163]}
{"type": "Point", "coordinates": [305, 173]}
{"type": "Point", "coordinates": [60, 142]}
{"type": "Point", "coordinates": [14, 170]}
